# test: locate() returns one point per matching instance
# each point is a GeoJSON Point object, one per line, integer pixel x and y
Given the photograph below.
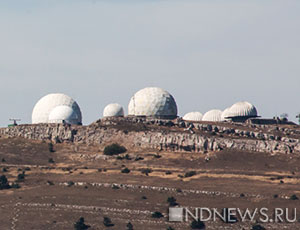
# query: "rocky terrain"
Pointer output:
{"type": "Point", "coordinates": [214, 165]}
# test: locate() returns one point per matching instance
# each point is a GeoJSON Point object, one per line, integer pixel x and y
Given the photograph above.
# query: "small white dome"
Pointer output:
{"type": "Point", "coordinates": [63, 113]}
{"type": "Point", "coordinates": [153, 101]}
{"type": "Point", "coordinates": [45, 105]}
{"type": "Point", "coordinates": [193, 116]}
{"type": "Point", "coordinates": [242, 109]}
{"type": "Point", "coordinates": [212, 115]}
{"type": "Point", "coordinates": [225, 114]}
{"type": "Point", "coordinates": [113, 110]}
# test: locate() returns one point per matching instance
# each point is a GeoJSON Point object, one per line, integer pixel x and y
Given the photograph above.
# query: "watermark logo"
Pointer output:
{"type": "Point", "coordinates": [233, 215]}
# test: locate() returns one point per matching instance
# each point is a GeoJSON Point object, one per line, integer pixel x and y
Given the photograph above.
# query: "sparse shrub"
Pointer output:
{"type": "Point", "coordinates": [51, 161]}
{"type": "Point", "coordinates": [170, 228]}
{"type": "Point", "coordinates": [139, 158]}
{"type": "Point", "coordinates": [157, 215]}
{"type": "Point", "coordinates": [242, 195]}
{"type": "Point", "coordinates": [294, 197]}
{"type": "Point", "coordinates": [21, 177]}
{"type": "Point", "coordinates": [70, 183]}
{"type": "Point", "coordinates": [27, 169]}
{"type": "Point", "coordinates": [50, 183]}
{"type": "Point", "coordinates": [257, 227]}
{"type": "Point", "coordinates": [146, 171]}
{"type": "Point", "coordinates": [3, 160]}
{"type": "Point", "coordinates": [275, 196]}
{"type": "Point", "coordinates": [144, 198]}
{"type": "Point", "coordinates": [107, 222]}
{"type": "Point", "coordinates": [114, 149]}
{"type": "Point", "coordinates": [51, 148]}
{"type": "Point", "coordinates": [179, 190]}
{"type": "Point", "coordinates": [157, 156]}
{"type": "Point", "coordinates": [190, 174]}
{"type": "Point", "coordinates": [4, 170]}
{"type": "Point", "coordinates": [15, 185]}
{"type": "Point", "coordinates": [168, 172]}
{"type": "Point", "coordinates": [125, 170]}
{"type": "Point", "coordinates": [80, 225]}
{"type": "Point", "coordinates": [127, 157]}
{"type": "Point", "coordinates": [197, 224]}
{"type": "Point", "coordinates": [4, 183]}
{"type": "Point", "coordinates": [99, 170]}
{"type": "Point", "coordinates": [119, 158]}
{"type": "Point", "coordinates": [172, 201]}
{"type": "Point", "coordinates": [114, 186]}
{"type": "Point", "coordinates": [129, 226]}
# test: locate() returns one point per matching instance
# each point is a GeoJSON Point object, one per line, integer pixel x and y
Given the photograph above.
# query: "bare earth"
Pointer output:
{"type": "Point", "coordinates": [228, 179]}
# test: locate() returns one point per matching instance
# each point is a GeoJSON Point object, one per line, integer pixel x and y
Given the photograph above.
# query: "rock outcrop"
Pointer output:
{"type": "Point", "coordinates": [177, 135]}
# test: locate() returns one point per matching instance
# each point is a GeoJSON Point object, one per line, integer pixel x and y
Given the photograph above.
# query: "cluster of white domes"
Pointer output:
{"type": "Point", "coordinates": [240, 110]}
{"type": "Point", "coordinates": [148, 102]}
{"type": "Point", "coordinates": [153, 102]}
{"type": "Point", "coordinates": [60, 108]}
{"type": "Point", "coordinates": [56, 108]}
{"type": "Point", "coordinates": [193, 116]}
{"type": "Point", "coordinates": [113, 110]}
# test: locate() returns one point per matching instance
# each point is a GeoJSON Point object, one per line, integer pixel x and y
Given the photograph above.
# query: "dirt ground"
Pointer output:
{"type": "Point", "coordinates": [82, 182]}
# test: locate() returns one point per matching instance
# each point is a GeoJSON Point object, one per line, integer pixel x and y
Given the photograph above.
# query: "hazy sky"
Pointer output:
{"type": "Point", "coordinates": [207, 53]}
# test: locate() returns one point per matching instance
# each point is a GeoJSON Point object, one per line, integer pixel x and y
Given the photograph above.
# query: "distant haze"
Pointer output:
{"type": "Point", "coordinates": [207, 54]}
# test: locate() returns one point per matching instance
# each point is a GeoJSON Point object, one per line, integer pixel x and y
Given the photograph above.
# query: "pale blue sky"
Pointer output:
{"type": "Point", "coordinates": [208, 54]}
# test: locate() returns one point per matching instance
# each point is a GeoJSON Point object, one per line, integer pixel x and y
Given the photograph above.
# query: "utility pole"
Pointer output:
{"type": "Point", "coordinates": [15, 122]}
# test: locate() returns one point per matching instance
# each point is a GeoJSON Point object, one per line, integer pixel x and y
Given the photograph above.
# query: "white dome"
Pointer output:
{"type": "Point", "coordinates": [212, 115]}
{"type": "Point", "coordinates": [242, 109]}
{"type": "Point", "coordinates": [45, 105]}
{"type": "Point", "coordinates": [225, 114]}
{"type": "Point", "coordinates": [153, 101]}
{"type": "Point", "coordinates": [64, 113]}
{"type": "Point", "coordinates": [193, 116]}
{"type": "Point", "coordinates": [113, 110]}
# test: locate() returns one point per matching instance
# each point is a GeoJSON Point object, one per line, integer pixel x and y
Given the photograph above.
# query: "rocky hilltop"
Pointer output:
{"type": "Point", "coordinates": [166, 135]}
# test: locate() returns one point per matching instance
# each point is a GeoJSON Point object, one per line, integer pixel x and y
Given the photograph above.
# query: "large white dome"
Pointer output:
{"type": "Point", "coordinates": [242, 109]}
{"type": "Point", "coordinates": [225, 114]}
{"type": "Point", "coordinates": [113, 110]}
{"type": "Point", "coordinates": [193, 116]}
{"type": "Point", "coordinates": [212, 115]}
{"type": "Point", "coordinates": [64, 113]}
{"type": "Point", "coordinates": [45, 105]}
{"type": "Point", "coordinates": [154, 102]}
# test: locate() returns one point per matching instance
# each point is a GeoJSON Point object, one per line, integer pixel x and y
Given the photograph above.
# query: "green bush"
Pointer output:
{"type": "Point", "coordinates": [21, 177]}
{"type": "Point", "coordinates": [294, 197]}
{"type": "Point", "coordinates": [146, 171]}
{"type": "Point", "coordinates": [107, 222]}
{"type": "Point", "coordinates": [125, 170]}
{"type": "Point", "coordinates": [4, 183]}
{"type": "Point", "coordinates": [80, 225]}
{"type": "Point", "coordinates": [51, 148]}
{"type": "Point", "coordinates": [172, 201]}
{"type": "Point", "coordinates": [114, 149]}
{"type": "Point", "coordinates": [50, 160]}
{"type": "Point", "coordinates": [157, 215]}
{"type": "Point", "coordinates": [15, 185]}
{"type": "Point", "coordinates": [129, 226]}
{"type": "Point", "coordinates": [257, 227]}
{"type": "Point", "coordinates": [190, 174]}
{"type": "Point", "coordinates": [197, 225]}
